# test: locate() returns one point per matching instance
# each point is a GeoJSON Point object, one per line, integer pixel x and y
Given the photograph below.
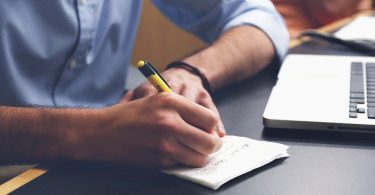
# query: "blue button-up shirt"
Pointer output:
{"type": "Point", "coordinates": [76, 53]}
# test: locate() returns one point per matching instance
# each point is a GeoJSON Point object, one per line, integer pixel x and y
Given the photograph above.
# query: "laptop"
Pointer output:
{"type": "Point", "coordinates": [322, 92]}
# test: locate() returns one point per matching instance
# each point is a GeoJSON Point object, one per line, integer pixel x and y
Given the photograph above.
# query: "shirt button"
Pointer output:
{"type": "Point", "coordinates": [72, 64]}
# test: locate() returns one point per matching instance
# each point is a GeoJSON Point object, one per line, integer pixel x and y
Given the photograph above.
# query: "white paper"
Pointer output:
{"type": "Point", "coordinates": [237, 156]}
{"type": "Point", "coordinates": [362, 27]}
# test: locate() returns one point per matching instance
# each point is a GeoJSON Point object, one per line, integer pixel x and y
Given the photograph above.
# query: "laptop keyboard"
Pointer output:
{"type": "Point", "coordinates": [357, 90]}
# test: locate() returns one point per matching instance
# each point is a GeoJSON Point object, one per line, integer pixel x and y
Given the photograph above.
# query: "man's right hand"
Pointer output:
{"type": "Point", "coordinates": [157, 131]}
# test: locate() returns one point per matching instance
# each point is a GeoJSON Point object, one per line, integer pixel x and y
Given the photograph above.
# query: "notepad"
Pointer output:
{"type": "Point", "coordinates": [238, 155]}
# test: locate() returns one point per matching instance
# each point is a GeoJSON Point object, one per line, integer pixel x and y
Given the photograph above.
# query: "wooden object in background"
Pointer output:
{"type": "Point", "coordinates": [159, 41]}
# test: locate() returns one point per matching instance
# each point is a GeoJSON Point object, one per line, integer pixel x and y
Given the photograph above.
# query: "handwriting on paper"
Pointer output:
{"type": "Point", "coordinates": [237, 156]}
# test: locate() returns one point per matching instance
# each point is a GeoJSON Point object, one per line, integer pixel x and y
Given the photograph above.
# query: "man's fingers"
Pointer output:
{"type": "Point", "coordinates": [127, 97]}
{"type": "Point", "coordinates": [198, 140]}
{"type": "Point", "coordinates": [149, 91]}
{"type": "Point", "coordinates": [189, 93]}
{"type": "Point", "coordinates": [196, 115]}
{"type": "Point", "coordinates": [175, 87]}
{"type": "Point", "coordinates": [144, 90]}
{"type": "Point", "coordinates": [205, 100]}
{"type": "Point", "coordinates": [221, 129]}
{"type": "Point", "coordinates": [187, 156]}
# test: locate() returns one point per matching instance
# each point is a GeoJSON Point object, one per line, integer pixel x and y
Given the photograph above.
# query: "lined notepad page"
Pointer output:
{"type": "Point", "coordinates": [237, 156]}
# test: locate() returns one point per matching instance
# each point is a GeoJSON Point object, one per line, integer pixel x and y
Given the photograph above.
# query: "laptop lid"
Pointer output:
{"type": "Point", "coordinates": [313, 92]}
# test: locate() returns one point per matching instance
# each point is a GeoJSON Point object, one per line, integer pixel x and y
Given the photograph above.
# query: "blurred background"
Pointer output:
{"type": "Point", "coordinates": [161, 42]}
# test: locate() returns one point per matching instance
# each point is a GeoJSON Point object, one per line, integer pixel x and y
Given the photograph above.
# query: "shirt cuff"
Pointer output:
{"type": "Point", "coordinates": [272, 25]}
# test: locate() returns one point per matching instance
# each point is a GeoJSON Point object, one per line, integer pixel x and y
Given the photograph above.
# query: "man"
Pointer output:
{"type": "Point", "coordinates": [62, 72]}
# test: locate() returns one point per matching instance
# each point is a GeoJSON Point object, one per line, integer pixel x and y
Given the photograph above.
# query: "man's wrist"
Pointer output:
{"type": "Point", "coordinates": [193, 70]}
{"type": "Point", "coordinates": [74, 137]}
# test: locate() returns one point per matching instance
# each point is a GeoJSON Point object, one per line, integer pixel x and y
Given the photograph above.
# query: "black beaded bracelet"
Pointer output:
{"type": "Point", "coordinates": [193, 70]}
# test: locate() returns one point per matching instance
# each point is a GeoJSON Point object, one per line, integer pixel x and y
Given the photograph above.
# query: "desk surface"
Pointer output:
{"type": "Point", "coordinates": [320, 163]}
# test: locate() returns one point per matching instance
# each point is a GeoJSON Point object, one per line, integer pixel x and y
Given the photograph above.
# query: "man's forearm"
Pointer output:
{"type": "Point", "coordinates": [38, 134]}
{"type": "Point", "coordinates": [238, 54]}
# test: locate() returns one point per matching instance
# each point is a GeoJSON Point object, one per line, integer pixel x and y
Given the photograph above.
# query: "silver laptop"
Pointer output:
{"type": "Point", "coordinates": [324, 93]}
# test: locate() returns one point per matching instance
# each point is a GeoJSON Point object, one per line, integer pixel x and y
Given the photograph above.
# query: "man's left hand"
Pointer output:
{"type": "Point", "coordinates": [181, 82]}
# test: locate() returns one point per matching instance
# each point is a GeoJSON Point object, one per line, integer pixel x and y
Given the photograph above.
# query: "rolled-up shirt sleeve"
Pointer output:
{"type": "Point", "coordinates": [207, 19]}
